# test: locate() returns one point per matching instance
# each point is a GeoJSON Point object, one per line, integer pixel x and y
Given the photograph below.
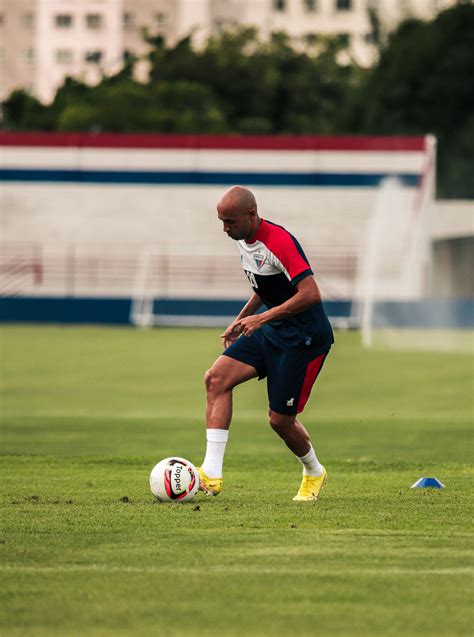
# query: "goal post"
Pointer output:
{"type": "Point", "coordinates": [394, 260]}
{"type": "Point", "coordinates": [141, 308]}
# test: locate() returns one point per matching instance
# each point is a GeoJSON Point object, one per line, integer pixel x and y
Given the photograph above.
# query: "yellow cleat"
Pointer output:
{"type": "Point", "coordinates": [310, 487]}
{"type": "Point", "coordinates": [210, 486]}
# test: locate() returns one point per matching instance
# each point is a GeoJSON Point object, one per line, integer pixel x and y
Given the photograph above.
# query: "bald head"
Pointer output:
{"type": "Point", "coordinates": [237, 200]}
{"type": "Point", "coordinates": [237, 209]}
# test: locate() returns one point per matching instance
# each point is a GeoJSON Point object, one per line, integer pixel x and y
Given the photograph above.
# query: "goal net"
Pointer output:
{"type": "Point", "coordinates": [180, 287]}
{"type": "Point", "coordinates": [392, 299]}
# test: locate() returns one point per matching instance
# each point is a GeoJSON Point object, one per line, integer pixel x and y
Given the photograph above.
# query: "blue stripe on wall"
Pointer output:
{"type": "Point", "coordinates": [202, 178]}
{"type": "Point", "coordinates": [441, 313]}
{"type": "Point", "coordinates": [116, 311]}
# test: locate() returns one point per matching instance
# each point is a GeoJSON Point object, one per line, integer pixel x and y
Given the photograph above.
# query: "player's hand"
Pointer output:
{"type": "Point", "coordinates": [230, 335]}
{"type": "Point", "coordinates": [248, 325]}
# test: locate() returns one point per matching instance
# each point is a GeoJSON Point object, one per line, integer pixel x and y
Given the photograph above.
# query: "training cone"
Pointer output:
{"type": "Point", "coordinates": [427, 483]}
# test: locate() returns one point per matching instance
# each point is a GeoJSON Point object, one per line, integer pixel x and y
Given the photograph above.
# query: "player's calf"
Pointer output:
{"type": "Point", "coordinates": [291, 431]}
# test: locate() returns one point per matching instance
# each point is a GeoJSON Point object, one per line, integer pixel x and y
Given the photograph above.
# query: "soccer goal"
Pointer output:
{"type": "Point", "coordinates": [393, 267]}
{"type": "Point", "coordinates": [182, 288]}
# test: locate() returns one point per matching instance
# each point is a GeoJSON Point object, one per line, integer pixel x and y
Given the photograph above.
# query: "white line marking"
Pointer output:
{"type": "Point", "coordinates": [103, 568]}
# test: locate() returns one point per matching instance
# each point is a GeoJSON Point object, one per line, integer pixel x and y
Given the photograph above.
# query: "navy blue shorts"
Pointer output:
{"type": "Point", "coordinates": [290, 373]}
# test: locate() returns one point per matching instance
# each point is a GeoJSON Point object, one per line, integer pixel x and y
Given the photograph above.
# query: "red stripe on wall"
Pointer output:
{"type": "Point", "coordinates": [214, 142]}
{"type": "Point", "coordinates": [312, 372]}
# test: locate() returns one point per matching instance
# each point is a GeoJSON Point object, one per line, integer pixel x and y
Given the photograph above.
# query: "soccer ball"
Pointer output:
{"type": "Point", "coordinates": [174, 480]}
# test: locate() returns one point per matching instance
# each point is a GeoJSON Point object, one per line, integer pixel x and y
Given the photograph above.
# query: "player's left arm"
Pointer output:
{"type": "Point", "coordinates": [307, 294]}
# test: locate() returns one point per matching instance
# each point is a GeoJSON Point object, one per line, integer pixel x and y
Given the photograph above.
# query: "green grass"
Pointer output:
{"type": "Point", "coordinates": [85, 550]}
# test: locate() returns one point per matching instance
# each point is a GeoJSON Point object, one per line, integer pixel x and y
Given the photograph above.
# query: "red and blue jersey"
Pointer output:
{"type": "Point", "coordinates": [274, 264]}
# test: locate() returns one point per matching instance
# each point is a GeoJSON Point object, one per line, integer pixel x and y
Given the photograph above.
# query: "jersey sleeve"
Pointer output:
{"type": "Point", "coordinates": [288, 256]}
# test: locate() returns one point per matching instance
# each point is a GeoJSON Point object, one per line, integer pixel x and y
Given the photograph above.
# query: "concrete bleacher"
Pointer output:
{"type": "Point", "coordinates": [88, 238]}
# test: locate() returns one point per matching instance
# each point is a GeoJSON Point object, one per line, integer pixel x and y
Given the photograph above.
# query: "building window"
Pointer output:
{"type": "Point", "coordinates": [93, 57]}
{"type": "Point", "coordinates": [29, 55]}
{"type": "Point", "coordinates": [94, 21]}
{"type": "Point", "coordinates": [64, 56]}
{"type": "Point", "coordinates": [279, 5]}
{"type": "Point", "coordinates": [309, 6]}
{"type": "Point", "coordinates": [63, 21]}
{"type": "Point", "coordinates": [28, 21]}
{"type": "Point", "coordinates": [2, 20]}
{"type": "Point", "coordinates": [160, 19]}
{"type": "Point", "coordinates": [344, 5]}
{"type": "Point", "coordinates": [128, 21]}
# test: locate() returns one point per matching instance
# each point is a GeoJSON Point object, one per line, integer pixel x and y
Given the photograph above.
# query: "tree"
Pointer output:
{"type": "Point", "coordinates": [262, 87]}
{"type": "Point", "coordinates": [22, 110]}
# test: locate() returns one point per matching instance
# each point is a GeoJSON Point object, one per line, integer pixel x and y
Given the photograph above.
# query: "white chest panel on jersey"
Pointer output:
{"type": "Point", "coordinates": [258, 259]}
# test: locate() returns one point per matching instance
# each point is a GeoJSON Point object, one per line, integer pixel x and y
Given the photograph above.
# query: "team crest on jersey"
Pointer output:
{"type": "Point", "coordinates": [259, 259]}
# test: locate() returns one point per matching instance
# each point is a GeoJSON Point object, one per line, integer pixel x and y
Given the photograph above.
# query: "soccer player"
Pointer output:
{"type": "Point", "coordinates": [287, 343]}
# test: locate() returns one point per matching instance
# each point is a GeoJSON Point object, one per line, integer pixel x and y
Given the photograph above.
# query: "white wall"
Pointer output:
{"type": "Point", "coordinates": [183, 216]}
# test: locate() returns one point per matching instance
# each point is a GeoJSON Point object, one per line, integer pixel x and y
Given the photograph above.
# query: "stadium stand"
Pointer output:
{"type": "Point", "coordinates": [104, 216]}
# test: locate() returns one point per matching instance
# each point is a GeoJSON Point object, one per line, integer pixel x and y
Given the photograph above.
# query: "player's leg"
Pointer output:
{"type": "Point", "coordinates": [291, 431]}
{"type": "Point", "coordinates": [291, 376]}
{"type": "Point", "coordinates": [294, 434]}
{"type": "Point", "coordinates": [220, 380]}
{"type": "Point", "coordinates": [296, 438]}
{"type": "Point", "coordinates": [238, 364]}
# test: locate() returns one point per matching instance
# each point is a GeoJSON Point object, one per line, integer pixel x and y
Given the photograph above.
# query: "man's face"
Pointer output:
{"type": "Point", "coordinates": [236, 225]}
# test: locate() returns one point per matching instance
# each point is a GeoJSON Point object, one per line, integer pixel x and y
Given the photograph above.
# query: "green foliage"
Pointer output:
{"type": "Point", "coordinates": [23, 111]}
{"type": "Point", "coordinates": [180, 106]}
{"type": "Point", "coordinates": [77, 117]}
{"type": "Point", "coordinates": [84, 549]}
{"type": "Point", "coordinates": [186, 107]}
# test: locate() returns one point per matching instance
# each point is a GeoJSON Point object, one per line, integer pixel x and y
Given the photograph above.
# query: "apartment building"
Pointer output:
{"type": "Point", "coordinates": [43, 41]}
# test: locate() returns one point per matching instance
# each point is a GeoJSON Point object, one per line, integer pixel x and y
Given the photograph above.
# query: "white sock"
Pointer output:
{"type": "Point", "coordinates": [216, 442]}
{"type": "Point", "coordinates": [311, 465]}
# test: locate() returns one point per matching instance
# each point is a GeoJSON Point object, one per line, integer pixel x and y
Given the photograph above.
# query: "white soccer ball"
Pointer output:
{"type": "Point", "coordinates": [174, 480]}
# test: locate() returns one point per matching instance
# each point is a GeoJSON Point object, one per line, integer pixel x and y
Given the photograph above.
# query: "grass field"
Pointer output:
{"type": "Point", "coordinates": [86, 412]}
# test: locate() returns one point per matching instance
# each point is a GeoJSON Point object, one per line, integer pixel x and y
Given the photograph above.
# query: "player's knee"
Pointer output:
{"type": "Point", "coordinates": [279, 422]}
{"type": "Point", "coordinates": [214, 381]}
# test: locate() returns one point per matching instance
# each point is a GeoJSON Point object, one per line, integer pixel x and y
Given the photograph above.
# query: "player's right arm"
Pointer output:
{"type": "Point", "coordinates": [231, 334]}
